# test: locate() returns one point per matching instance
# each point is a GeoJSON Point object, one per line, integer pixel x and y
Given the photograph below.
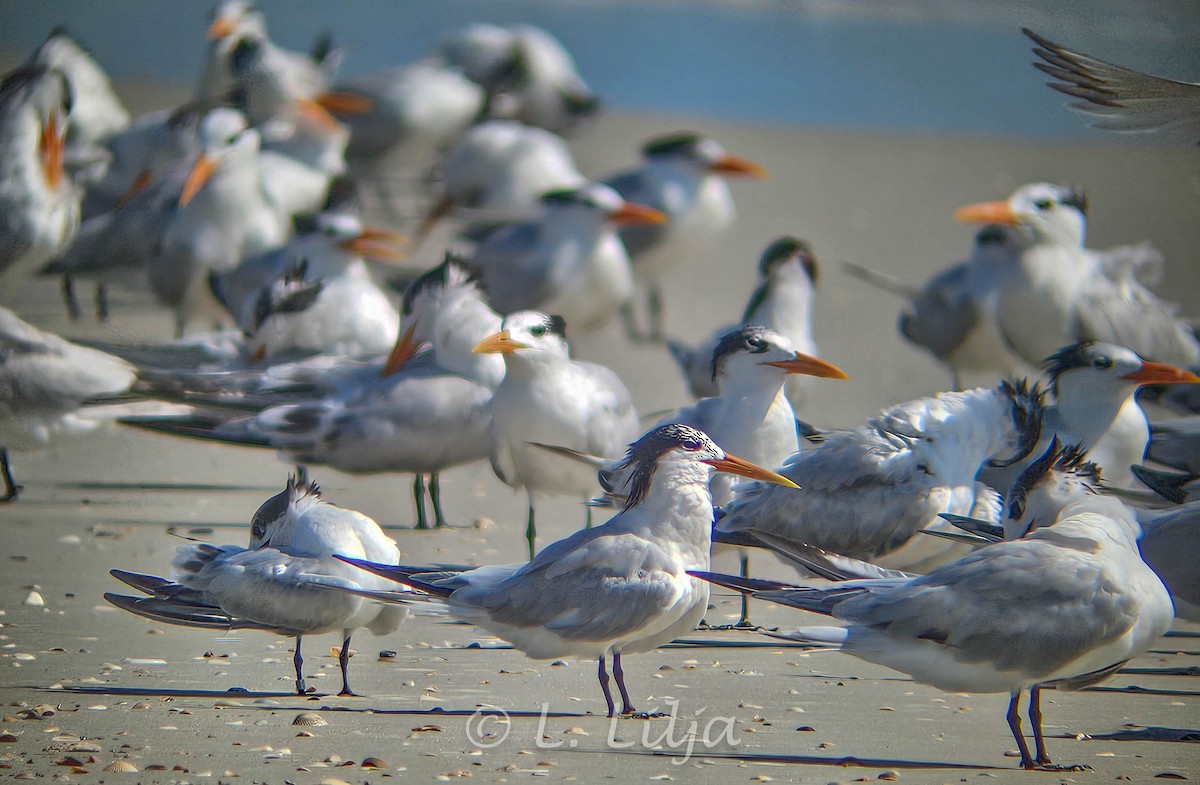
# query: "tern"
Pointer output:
{"type": "Point", "coordinates": [1065, 606]}
{"type": "Point", "coordinates": [570, 260]}
{"type": "Point", "coordinates": [500, 169]}
{"type": "Point", "coordinates": [1120, 98]}
{"type": "Point", "coordinates": [683, 175]}
{"type": "Point", "coordinates": [782, 301]}
{"type": "Point", "coordinates": [1058, 293]}
{"type": "Point", "coordinates": [281, 583]}
{"type": "Point", "coordinates": [1093, 387]}
{"type": "Point", "coordinates": [548, 398]}
{"type": "Point", "coordinates": [44, 382]}
{"type": "Point", "coordinates": [868, 491]}
{"type": "Point", "coordinates": [39, 205]}
{"type": "Point", "coordinates": [620, 588]}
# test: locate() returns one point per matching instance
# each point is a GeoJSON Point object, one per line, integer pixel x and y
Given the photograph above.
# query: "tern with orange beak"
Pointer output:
{"type": "Point", "coordinates": [620, 588]}
{"type": "Point", "coordinates": [548, 398]}
{"type": "Point", "coordinates": [39, 206]}
{"type": "Point", "coordinates": [568, 261]}
{"type": "Point", "coordinates": [1059, 293]}
{"type": "Point", "coordinates": [683, 175]}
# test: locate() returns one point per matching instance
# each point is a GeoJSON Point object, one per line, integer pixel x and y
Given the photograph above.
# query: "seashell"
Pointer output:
{"type": "Point", "coordinates": [304, 734]}
{"type": "Point", "coordinates": [8, 737]}
{"type": "Point", "coordinates": [121, 766]}
{"type": "Point", "coordinates": [309, 718]}
{"type": "Point", "coordinates": [336, 651]}
{"type": "Point", "coordinates": [34, 599]}
{"type": "Point", "coordinates": [374, 763]}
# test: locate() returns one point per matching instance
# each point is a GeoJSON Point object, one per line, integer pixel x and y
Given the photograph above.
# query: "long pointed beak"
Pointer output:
{"type": "Point", "coordinates": [52, 143]}
{"type": "Point", "coordinates": [737, 166]}
{"type": "Point", "coordinates": [498, 343]}
{"type": "Point", "coordinates": [342, 104]}
{"type": "Point", "coordinates": [630, 214]}
{"type": "Point", "coordinates": [402, 352]}
{"type": "Point", "coordinates": [315, 113]}
{"type": "Point", "coordinates": [987, 213]}
{"type": "Point", "coordinates": [376, 245]}
{"type": "Point", "coordinates": [809, 366]}
{"type": "Point", "coordinates": [202, 170]}
{"type": "Point", "coordinates": [742, 467]}
{"type": "Point", "coordinates": [139, 184]}
{"type": "Point", "coordinates": [1161, 373]}
{"type": "Point", "coordinates": [221, 27]}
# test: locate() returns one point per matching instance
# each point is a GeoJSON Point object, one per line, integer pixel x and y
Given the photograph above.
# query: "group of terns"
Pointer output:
{"type": "Point", "coordinates": [963, 538]}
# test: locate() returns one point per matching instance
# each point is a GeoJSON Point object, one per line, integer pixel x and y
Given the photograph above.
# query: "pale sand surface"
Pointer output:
{"type": "Point", "coordinates": [884, 201]}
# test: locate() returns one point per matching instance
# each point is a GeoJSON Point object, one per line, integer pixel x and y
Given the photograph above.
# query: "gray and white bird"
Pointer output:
{"type": "Point", "coordinates": [1120, 98]}
{"type": "Point", "coordinates": [283, 583]}
{"type": "Point", "coordinates": [1065, 606]}
{"type": "Point", "coordinates": [683, 175]}
{"type": "Point", "coordinates": [1093, 406]}
{"type": "Point", "coordinates": [568, 261]}
{"type": "Point", "coordinates": [620, 588]}
{"type": "Point", "coordinates": [44, 383]}
{"type": "Point", "coordinates": [1058, 293]}
{"type": "Point", "coordinates": [39, 205]}
{"type": "Point", "coordinates": [782, 301]}
{"type": "Point", "coordinates": [867, 492]}
{"type": "Point", "coordinates": [548, 398]}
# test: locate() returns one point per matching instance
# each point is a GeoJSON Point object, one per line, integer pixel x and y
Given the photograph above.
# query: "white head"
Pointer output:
{"type": "Point", "coordinates": [528, 337]}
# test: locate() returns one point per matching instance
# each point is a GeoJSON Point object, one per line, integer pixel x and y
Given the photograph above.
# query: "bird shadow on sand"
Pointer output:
{"type": "Point", "coordinates": [161, 692]}
{"type": "Point", "coordinates": [802, 760]}
{"type": "Point", "coordinates": [1149, 733]}
{"type": "Point", "coordinates": [159, 486]}
{"type": "Point", "coordinates": [1134, 689]}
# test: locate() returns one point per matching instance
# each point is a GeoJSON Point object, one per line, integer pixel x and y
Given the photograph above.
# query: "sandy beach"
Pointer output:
{"type": "Point", "coordinates": [83, 684]}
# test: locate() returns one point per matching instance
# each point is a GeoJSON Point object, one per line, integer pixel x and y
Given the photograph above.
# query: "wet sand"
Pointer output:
{"type": "Point", "coordinates": [124, 687]}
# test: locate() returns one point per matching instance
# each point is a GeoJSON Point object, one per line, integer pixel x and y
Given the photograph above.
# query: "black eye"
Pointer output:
{"type": "Point", "coordinates": [1043, 204]}
{"type": "Point", "coordinates": [1102, 362]}
{"type": "Point", "coordinates": [757, 345]}
{"type": "Point", "coordinates": [691, 445]}
{"type": "Point", "coordinates": [538, 330]}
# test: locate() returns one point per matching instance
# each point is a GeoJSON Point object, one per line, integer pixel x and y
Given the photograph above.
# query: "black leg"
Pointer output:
{"type": "Point", "coordinates": [68, 292]}
{"type": "Point", "coordinates": [435, 497]}
{"type": "Point", "coordinates": [102, 302]}
{"type": "Point", "coordinates": [602, 675]}
{"type": "Point", "coordinates": [11, 489]}
{"type": "Point", "coordinates": [298, 661]}
{"type": "Point", "coordinates": [344, 664]}
{"type": "Point", "coordinates": [587, 516]}
{"type": "Point", "coordinates": [419, 500]}
{"type": "Point", "coordinates": [1014, 724]}
{"type": "Point", "coordinates": [629, 318]}
{"type": "Point", "coordinates": [531, 533]}
{"type": "Point", "coordinates": [619, 673]}
{"type": "Point", "coordinates": [745, 620]}
{"type": "Point", "coordinates": [657, 313]}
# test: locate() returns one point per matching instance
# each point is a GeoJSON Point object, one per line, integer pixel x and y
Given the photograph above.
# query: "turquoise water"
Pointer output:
{"type": "Point", "coordinates": [958, 66]}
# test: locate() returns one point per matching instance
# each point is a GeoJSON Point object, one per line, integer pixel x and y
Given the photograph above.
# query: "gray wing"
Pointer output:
{"type": "Point", "coordinates": [942, 314]}
{"type": "Point", "coordinates": [511, 273]}
{"type": "Point", "coordinates": [1176, 443]}
{"type": "Point", "coordinates": [613, 421]}
{"type": "Point", "coordinates": [1128, 314]}
{"type": "Point", "coordinates": [1121, 99]}
{"type": "Point", "coordinates": [633, 187]}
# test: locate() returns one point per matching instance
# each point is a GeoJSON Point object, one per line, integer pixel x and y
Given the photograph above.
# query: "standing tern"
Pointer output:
{"type": "Point", "coordinates": [683, 175]}
{"type": "Point", "coordinates": [1120, 98]}
{"type": "Point", "coordinates": [39, 205]}
{"type": "Point", "coordinates": [1065, 606]}
{"type": "Point", "coordinates": [620, 588]}
{"type": "Point", "coordinates": [1058, 293]}
{"type": "Point", "coordinates": [867, 492]}
{"type": "Point", "coordinates": [782, 301]}
{"type": "Point", "coordinates": [549, 398]}
{"type": "Point", "coordinates": [1094, 406]}
{"type": "Point", "coordinates": [44, 382]}
{"type": "Point", "coordinates": [281, 583]}
{"type": "Point", "coordinates": [570, 260]}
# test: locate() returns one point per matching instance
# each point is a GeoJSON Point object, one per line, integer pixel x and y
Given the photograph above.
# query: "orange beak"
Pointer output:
{"type": "Point", "coordinates": [259, 354]}
{"type": "Point", "coordinates": [51, 146]}
{"type": "Point", "coordinates": [202, 170]}
{"type": "Point", "coordinates": [316, 114]}
{"type": "Point", "coordinates": [139, 185]}
{"type": "Point", "coordinates": [376, 245]}
{"type": "Point", "coordinates": [402, 352]}
{"type": "Point", "coordinates": [498, 343]}
{"type": "Point", "coordinates": [986, 213]}
{"type": "Point", "coordinates": [736, 166]}
{"type": "Point", "coordinates": [221, 28]}
{"type": "Point", "coordinates": [734, 465]}
{"type": "Point", "coordinates": [809, 366]}
{"type": "Point", "coordinates": [630, 214]}
{"type": "Point", "coordinates": [345, 103]}
{"type": "Point", "coordinates": [1161, 373]}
